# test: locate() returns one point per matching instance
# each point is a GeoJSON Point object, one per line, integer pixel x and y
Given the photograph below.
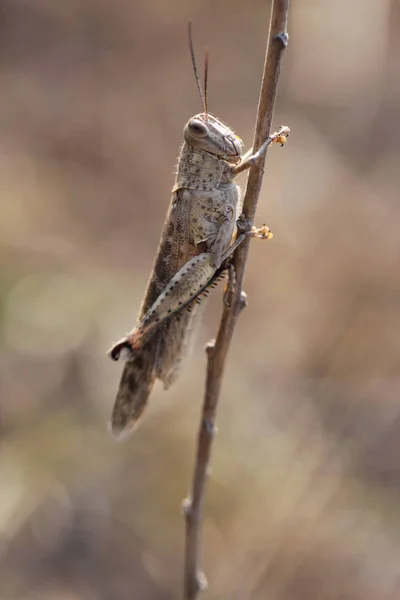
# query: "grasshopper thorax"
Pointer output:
{"type": "Point", "coordinates": [205, 132]}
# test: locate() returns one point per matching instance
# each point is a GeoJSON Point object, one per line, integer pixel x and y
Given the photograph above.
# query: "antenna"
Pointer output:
{"type": "Point", "coordinates": [205, 81]}
{"type": "Point", "coordinates": [203, 96]}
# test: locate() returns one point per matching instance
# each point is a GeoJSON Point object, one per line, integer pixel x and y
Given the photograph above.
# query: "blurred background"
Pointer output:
{"type": "Point", "coordinates": [303, 500]}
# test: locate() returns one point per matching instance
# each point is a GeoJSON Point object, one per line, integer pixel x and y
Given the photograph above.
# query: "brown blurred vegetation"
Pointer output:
{"type": "Point", "coordinates": [303, 501]}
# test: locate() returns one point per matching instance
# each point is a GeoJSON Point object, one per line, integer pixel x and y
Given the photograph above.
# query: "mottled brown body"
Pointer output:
{"type": "Point", "coordinates": [197, 237]}
{"type": "Point", "coordinates": [200, 223]}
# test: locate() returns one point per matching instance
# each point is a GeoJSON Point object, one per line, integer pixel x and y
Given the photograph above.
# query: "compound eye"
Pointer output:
{"type": "Point", "coordinates": [197, 128]}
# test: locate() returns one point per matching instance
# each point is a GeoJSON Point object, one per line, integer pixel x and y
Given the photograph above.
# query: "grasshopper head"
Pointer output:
{"type": "Point", "coordinates": [206, 133]}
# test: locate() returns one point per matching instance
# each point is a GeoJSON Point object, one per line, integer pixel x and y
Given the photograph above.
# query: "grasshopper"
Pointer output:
{"type": "Point", "coordinates": [201, 230]}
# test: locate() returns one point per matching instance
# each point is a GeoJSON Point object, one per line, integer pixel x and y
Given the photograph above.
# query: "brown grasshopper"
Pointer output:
{"type": "Point", "coordinates": [201, 230]}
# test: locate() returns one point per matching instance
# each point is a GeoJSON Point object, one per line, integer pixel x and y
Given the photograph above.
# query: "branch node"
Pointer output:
{"type": "Point", "coordinates": [210, 347]}
{"type": "Point", "coordinates": [283, 38]}
{"type": "Point", "coordinates": [210, 427]}
{"type": "Point", "coordinates": [202, 582]}
{"type": "Point", "coordinates": [243, 303]}
{"type": "Point", "coordinates": [187, 507]}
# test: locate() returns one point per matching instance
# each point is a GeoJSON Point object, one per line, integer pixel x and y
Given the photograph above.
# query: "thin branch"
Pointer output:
{"type": "Point", "coordinates": [194, 579]}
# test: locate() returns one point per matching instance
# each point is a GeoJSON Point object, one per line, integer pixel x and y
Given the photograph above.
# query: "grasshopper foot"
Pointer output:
{"type": "Point", "coordinates": [281, 136]}
{"type": "Point", "coordinates": [262, 233]}
{"type": "Point", "coordinates": [246, 228]}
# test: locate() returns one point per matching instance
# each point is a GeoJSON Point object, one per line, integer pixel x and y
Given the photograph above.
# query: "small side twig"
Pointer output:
{"type": "Point", "coordinates": [194, 579]}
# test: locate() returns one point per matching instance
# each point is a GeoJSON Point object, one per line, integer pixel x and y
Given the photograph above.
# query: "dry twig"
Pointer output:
{"type": "Point", "coordinates": [194, 579]}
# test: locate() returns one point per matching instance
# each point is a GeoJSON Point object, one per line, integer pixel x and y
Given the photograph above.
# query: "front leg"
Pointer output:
{"type": "Point", "coordinates": [249, 159]}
